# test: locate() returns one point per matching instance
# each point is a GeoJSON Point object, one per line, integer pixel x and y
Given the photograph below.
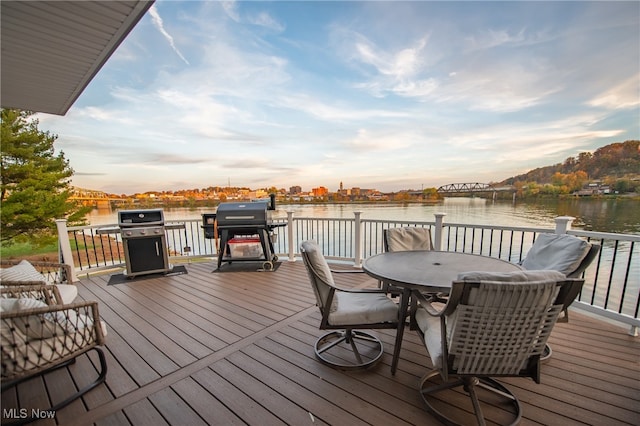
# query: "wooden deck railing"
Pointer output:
{"type": "Point", "coordinates": [612, 282]}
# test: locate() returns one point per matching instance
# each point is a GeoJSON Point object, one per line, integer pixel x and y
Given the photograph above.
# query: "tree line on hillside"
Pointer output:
{"type": "Point", "coordinates": [616, 165]}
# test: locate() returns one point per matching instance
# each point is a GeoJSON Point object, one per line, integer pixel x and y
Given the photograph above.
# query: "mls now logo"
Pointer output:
{"type": "Point", "coordinates": [23, 413]}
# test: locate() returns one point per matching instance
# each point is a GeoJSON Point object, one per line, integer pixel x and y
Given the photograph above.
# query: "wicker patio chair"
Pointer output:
{"type": "Point", "coordinates": [39, 335]}
{"type": "Point", "coordinates": [347, 311]}
{"type": "Point", "coordinates": [22, 272]}
{"type": "Point", "coordinates": [493, 325]}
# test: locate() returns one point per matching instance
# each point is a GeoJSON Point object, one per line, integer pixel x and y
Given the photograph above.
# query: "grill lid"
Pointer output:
{"type": "Point", "coordinates": [242, 214]}
{"type": "Point", "coordinates": [149, 217]}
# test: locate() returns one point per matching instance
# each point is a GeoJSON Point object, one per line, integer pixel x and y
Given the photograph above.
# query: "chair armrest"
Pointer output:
{"type": "Point", "coordinates": [388, 288]}
{"type": "Point", "coordinates": [426, 301]}
{"type": "Point", "coordinates": [347, 271]}
{"type": "Point", "coordinates": [362, 290]}
{"type": "Point", "coordinates": [9, 283]}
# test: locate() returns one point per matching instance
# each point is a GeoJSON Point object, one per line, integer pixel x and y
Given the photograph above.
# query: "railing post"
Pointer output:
{"type": "Point", "coordinates": [292, 252]}
{"type": "Point", "coordinates": [65, 247]}
{"type": "Point", "coordinates": [439, 231]}
{"type": "Point", "coordinates": [563, 224]}
{"type": "Point", "coordinates": [357, 236]}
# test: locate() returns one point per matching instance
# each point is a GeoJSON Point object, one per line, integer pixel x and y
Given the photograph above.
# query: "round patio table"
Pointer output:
{"type": "Point", "coordinates": [427, 272]}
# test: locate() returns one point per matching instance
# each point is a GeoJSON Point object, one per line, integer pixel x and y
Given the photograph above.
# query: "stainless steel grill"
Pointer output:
{"type": "Point", "coordinates": [251, 219]}
{"type": "Point", "coordinates": [144, 241]}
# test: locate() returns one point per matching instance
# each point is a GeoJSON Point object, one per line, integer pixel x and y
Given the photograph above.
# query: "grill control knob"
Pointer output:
{"type": "Point", "coordinates": [127, 233]}
{"type": "Point", "coordinates": [143, 232]}
{"type": "Point", "coordinates": [156, 231]}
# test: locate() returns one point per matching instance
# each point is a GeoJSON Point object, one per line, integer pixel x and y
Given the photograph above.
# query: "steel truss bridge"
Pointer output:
{"type": "Point", "coordinates": [93, 198]}
{"type": "Point", "coordinates": [469, 188]}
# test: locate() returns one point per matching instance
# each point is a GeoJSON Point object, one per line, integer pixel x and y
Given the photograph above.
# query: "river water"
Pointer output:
{"type": "Point", "coordinates": [602, 215]}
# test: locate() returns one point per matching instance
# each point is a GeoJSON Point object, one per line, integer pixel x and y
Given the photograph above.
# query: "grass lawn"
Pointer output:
{"type": "Point", "coordinates": [27, 249]}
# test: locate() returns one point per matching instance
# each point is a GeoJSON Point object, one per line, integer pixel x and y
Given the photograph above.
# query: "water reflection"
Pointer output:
{"type": "Point", "coordinates": [622, 216]}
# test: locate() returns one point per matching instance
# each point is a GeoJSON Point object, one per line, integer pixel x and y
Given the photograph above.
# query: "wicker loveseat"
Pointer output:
{"type": "Point", "coordinates": [39, 334]}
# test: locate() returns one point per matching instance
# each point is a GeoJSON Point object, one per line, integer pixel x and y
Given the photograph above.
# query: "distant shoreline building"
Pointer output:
{"type": "Point", "coordinates": [594, 188]}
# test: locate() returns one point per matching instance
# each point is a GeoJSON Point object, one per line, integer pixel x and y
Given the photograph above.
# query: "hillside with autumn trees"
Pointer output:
{"type": "Point", "coordinates": [616, 166]}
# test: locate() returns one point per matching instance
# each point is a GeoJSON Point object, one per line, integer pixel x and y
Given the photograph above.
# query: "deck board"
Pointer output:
{"type": "Point", "coordinates": [247, 409]}
{"type": "Point", "coordinates": [205, 404]}
{"type": "Point", "coordinates": [236, 347]}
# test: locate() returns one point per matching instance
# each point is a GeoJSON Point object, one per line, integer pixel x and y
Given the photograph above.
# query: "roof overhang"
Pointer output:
{"type": "Point", "coordinates": [51, 50]}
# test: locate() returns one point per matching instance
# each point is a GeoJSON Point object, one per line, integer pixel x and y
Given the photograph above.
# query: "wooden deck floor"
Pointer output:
{"type": "Point", "coordinates": [235, 347]}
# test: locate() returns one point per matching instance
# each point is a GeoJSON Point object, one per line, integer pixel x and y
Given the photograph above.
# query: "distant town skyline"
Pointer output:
{"type": "Point", "coordinates": [261, 192]}
{"type": "Point", "coordinates": [384, 94]}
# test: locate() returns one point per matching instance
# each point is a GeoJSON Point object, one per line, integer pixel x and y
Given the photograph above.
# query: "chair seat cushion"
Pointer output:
{"type": "Point", "coordinates": [68, 293]}
{"type": "Point", "coordinates": [430, 327]}
{"type": "Point", "coordinates": [8, 305]}
{"type": "Point", "coordinates": [556, 252]}
{"type": "Point", "coordinates": [363, 308]}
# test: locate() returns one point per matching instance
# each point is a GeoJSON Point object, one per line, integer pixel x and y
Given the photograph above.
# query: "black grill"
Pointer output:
{"type": "Point", "coordinates": [252, 219]}
{"type": "Point", "coordinates": [144, 241]}
{"type": "Point", "coordinates": [242, 215]}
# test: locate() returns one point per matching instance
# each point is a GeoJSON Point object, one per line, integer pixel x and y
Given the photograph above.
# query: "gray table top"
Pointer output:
{"type": "Point", "coordinates": [430, 270]}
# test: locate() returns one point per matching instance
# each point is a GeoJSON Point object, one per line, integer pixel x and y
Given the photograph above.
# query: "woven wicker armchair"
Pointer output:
{"type": "Point", "coordinates": [493, 325]}
{"type": "Point", "coordinates": [39, 334]}
{"type": "Point", "coordinates": [23, 272]}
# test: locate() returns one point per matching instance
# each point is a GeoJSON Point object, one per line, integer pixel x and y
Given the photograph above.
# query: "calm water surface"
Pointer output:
{"type": "Point", "coordinates": [621, 216]}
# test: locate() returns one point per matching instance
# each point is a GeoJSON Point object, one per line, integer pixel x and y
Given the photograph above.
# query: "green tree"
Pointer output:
{"type": "Point", "coordinates": [623, 185]}
{"type": "Point", "coordinates": [35, 181]}
{"type": "Point", "coordinates": [431, 194]}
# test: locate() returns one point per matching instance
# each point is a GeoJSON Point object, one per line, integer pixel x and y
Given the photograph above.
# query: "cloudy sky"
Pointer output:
{"type": "Point", "coordinates": [379, 94]}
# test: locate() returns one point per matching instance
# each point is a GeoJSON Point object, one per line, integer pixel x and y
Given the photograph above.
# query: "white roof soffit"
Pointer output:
{"type": "Point", "coordinates": [51, 50]}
